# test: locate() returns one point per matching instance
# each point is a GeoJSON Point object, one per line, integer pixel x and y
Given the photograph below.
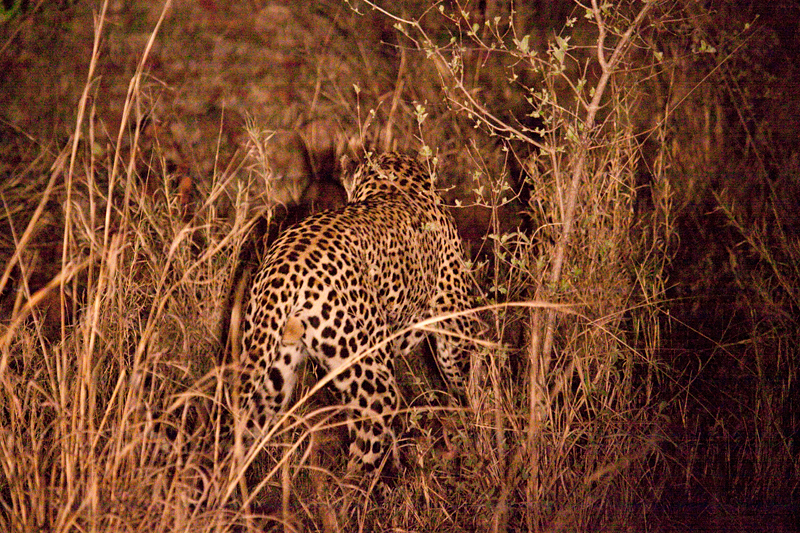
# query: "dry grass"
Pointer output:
{"type": "Point", "coordinates": [113, 415]}
{"type": "Point", "coordinates": [115, 287]}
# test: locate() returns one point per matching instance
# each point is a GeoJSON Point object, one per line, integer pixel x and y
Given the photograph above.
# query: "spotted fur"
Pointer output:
{"type": "Point", "coordinates": [340, 282]}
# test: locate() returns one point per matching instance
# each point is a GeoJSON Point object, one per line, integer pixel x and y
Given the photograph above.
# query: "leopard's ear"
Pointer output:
{"type": "Point", "coordinates": [356, 175]}
{"type": "Point", "coordinates": [293, 331]}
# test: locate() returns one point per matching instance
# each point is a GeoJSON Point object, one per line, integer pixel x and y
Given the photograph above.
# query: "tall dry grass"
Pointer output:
{"type": "Point", "coordinates": [113, 396]}
{"type": "Point", "coordinates": [113, 413]}
{"type": "Point", "coordinates": [109, 370]}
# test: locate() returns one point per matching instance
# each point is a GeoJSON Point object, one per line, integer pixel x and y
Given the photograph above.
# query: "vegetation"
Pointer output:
{"type": "Point", "coordinates": [625, 181]}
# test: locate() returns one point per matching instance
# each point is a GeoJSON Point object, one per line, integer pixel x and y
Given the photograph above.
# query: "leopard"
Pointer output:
{"type": "Point", "coordinates": [345, 287]}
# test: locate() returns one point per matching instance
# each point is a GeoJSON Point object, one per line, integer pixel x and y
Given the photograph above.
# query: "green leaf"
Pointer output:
{"type": "Point", "coordinates": [523, 45]}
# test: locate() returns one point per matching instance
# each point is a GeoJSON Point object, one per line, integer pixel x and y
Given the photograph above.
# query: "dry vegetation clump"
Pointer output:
{"type": "Point", "coordinates": [734, 287]}
{"type": "Point", "coordinates": [640, 354]}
